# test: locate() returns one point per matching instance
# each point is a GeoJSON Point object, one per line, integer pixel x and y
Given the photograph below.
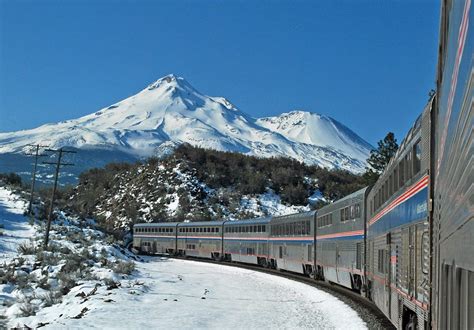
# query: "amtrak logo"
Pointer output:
{"type": "Point", "coordinates": [421, 208]}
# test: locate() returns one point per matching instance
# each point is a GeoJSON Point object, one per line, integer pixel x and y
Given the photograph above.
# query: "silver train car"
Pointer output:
{"type": "Point", "coordinates": [155, 238]}
{"type": "Point", "coordinates": [200, 239]}
{"type": "Point", "coordinates": [452, 296]}
{"type": "Point", "coordinates": [247, 241]}
{"type": "Point", "coordinates": [292, 242]}
{"type": "Point", "coordinates": [397, 238]}
{"type": "Point", "coordinates": [340, 241]}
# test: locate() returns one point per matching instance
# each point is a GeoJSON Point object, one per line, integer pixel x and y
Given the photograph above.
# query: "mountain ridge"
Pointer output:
{"type": "Point", "coordinates": [171, 111]}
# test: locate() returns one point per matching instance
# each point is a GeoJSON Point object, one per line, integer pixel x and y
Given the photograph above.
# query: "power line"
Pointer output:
{"type": "Point", "coordinates": [33, 179]}
{"type": "Point", "coordinates": [58, 165]}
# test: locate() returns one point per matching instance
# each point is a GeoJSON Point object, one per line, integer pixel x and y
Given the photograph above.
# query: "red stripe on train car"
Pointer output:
{"type": "Point", "coordinates": [417, 187]}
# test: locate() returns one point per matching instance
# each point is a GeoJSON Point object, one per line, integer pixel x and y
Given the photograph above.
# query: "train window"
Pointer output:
{"type": "Point", "coordinates": [382, 266]}
{"type": "Point", "coordinates": [255, 229]}
{"type": "Point", "coordinates": [401, 173]}
{"type": "Point", "coordinates": [390, 188]}
{"type": "Point", "coordinates": [382, 195]}
{"type": "Point", "coordinates": [416, 158]}
{"type": "Point", "coordinates": [263, 228]}
{"type": "Point", "coordinates": [352, 212]}
{"type": "Point", "coordinates": [357, 210]}
{"type": "Point", "coordinates": [408, 165]}
{"type": "Point", "coordinates": [395, 179]}
{"type": "Point", "coordinates": [217, 230]}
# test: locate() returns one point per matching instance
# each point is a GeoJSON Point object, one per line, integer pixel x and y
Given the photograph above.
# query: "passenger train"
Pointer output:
{"type": "Point", "coordinates": [407, 242]}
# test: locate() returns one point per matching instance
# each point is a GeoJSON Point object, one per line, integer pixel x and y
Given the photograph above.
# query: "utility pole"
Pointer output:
{"type": "Point", "coordinates": [33, 176]}
{"type": "Point", "coordinates": [58, 165]}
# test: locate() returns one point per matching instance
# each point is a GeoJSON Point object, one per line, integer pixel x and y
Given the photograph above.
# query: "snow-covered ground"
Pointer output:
{"type": "Point", "coordinates": [167, 293]}
{"type": "Point", "coordinates": [13, 225]}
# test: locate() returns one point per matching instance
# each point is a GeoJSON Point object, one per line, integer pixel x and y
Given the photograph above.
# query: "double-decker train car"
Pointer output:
{"type": "Point", "coordinates": [340, 240]}
{"type": "Point", "coordinates": [155, 237]}
{"type": "Point", "coordinates": [200, 239]}
{"type": "Point", "coordinates": [398, 237]}
{"type": "Point", "coordinates": [292, 242]}
{"type": "Point", "coordinates": [452, 281]}
{"type": "Point", "coordinates": [247, 241]}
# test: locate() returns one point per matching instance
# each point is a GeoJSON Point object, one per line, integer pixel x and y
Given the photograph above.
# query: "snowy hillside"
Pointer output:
{"type": "Point", "coordinates": [170, 111]}
{"type": "Point", "coordinates": [84, 280]}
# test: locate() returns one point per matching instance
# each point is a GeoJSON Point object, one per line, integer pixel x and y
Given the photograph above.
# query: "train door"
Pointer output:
{"type": "Point", "coordinates": [337, 261]}
{"type": "Point", "coordinates": [412, 261]}
{"type": "Point", "coordinates": [388, 274]}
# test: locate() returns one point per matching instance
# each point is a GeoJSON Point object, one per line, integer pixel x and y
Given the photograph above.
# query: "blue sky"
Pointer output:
{"type": "Point", "coordinates": [368, 64]}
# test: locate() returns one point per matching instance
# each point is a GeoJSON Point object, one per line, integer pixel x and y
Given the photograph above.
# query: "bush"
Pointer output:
{"type": "Point", "coordinates": [28, 309]}
{"type": "Point", "coordinates": [26, 248]}
{"type": "Point", "coordinates": [11, 178]}
{"type": "Point", "coordinates": [51, 298]}
{"type": "Point", "coordinates": [124, 267]}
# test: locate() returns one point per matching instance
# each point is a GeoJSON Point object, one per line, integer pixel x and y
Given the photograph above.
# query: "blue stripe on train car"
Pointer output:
{"type": "Point", "coordinates": [412, 210]}
{"type": "Point", "coordinates": [202, 238]}
{"type": "Point", "coordinates": [355, 237]}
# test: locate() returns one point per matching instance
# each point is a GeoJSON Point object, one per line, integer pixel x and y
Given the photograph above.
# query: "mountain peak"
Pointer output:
{"type": "Point", "coordinates": [171, 80]}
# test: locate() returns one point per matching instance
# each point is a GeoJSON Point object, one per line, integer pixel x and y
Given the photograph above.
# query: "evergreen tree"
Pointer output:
{"type": "Point", "coordinates": [380, 157]}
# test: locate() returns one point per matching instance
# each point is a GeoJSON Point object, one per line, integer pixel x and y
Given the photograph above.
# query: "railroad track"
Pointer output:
{"type": "Point", "coordinates": [367, 310]}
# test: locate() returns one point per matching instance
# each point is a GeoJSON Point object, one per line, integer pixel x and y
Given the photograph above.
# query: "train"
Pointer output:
{"type": "Point", "coordinates": [407, 242]}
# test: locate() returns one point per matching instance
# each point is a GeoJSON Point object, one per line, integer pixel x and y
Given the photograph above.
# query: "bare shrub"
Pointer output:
{"type": "Point", "coordinates": [28, 309]}
{"type": "Point", "coordinates": [26, 248]}
{"type": "Point", "coordinates": [51, 298]}
{"type": "Point", "coordinates": [124, 267]}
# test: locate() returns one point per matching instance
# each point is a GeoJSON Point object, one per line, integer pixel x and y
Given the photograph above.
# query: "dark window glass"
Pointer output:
{"type": "Point", "coordinates": [401, 173]}
{"type": "Point", "coordinates": [416, 158]}
{"type": "Point", "coordinates": [408, 166]}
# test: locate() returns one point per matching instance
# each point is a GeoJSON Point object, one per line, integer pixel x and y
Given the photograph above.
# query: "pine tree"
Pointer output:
{"type": "Point", "coordinates": [380, 157]}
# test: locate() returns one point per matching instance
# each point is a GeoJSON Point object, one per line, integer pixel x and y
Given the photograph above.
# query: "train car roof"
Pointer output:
{"type": "Point", "coordinates": [156, 224]}
{"type": "Point", "coordinates": [354, 194]}
{"type": "Point", "coordinates": [248, 221]}
{"type": "Point", "coordinates": [332, 206]}
{"type": "Point", "coordinates": [295, 216]}
{"type": "Point", "coordinates": [200, 223]}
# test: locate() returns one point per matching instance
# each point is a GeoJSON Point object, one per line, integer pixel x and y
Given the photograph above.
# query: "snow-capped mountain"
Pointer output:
{"type": "Point", "coordinates": [170, 111]}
